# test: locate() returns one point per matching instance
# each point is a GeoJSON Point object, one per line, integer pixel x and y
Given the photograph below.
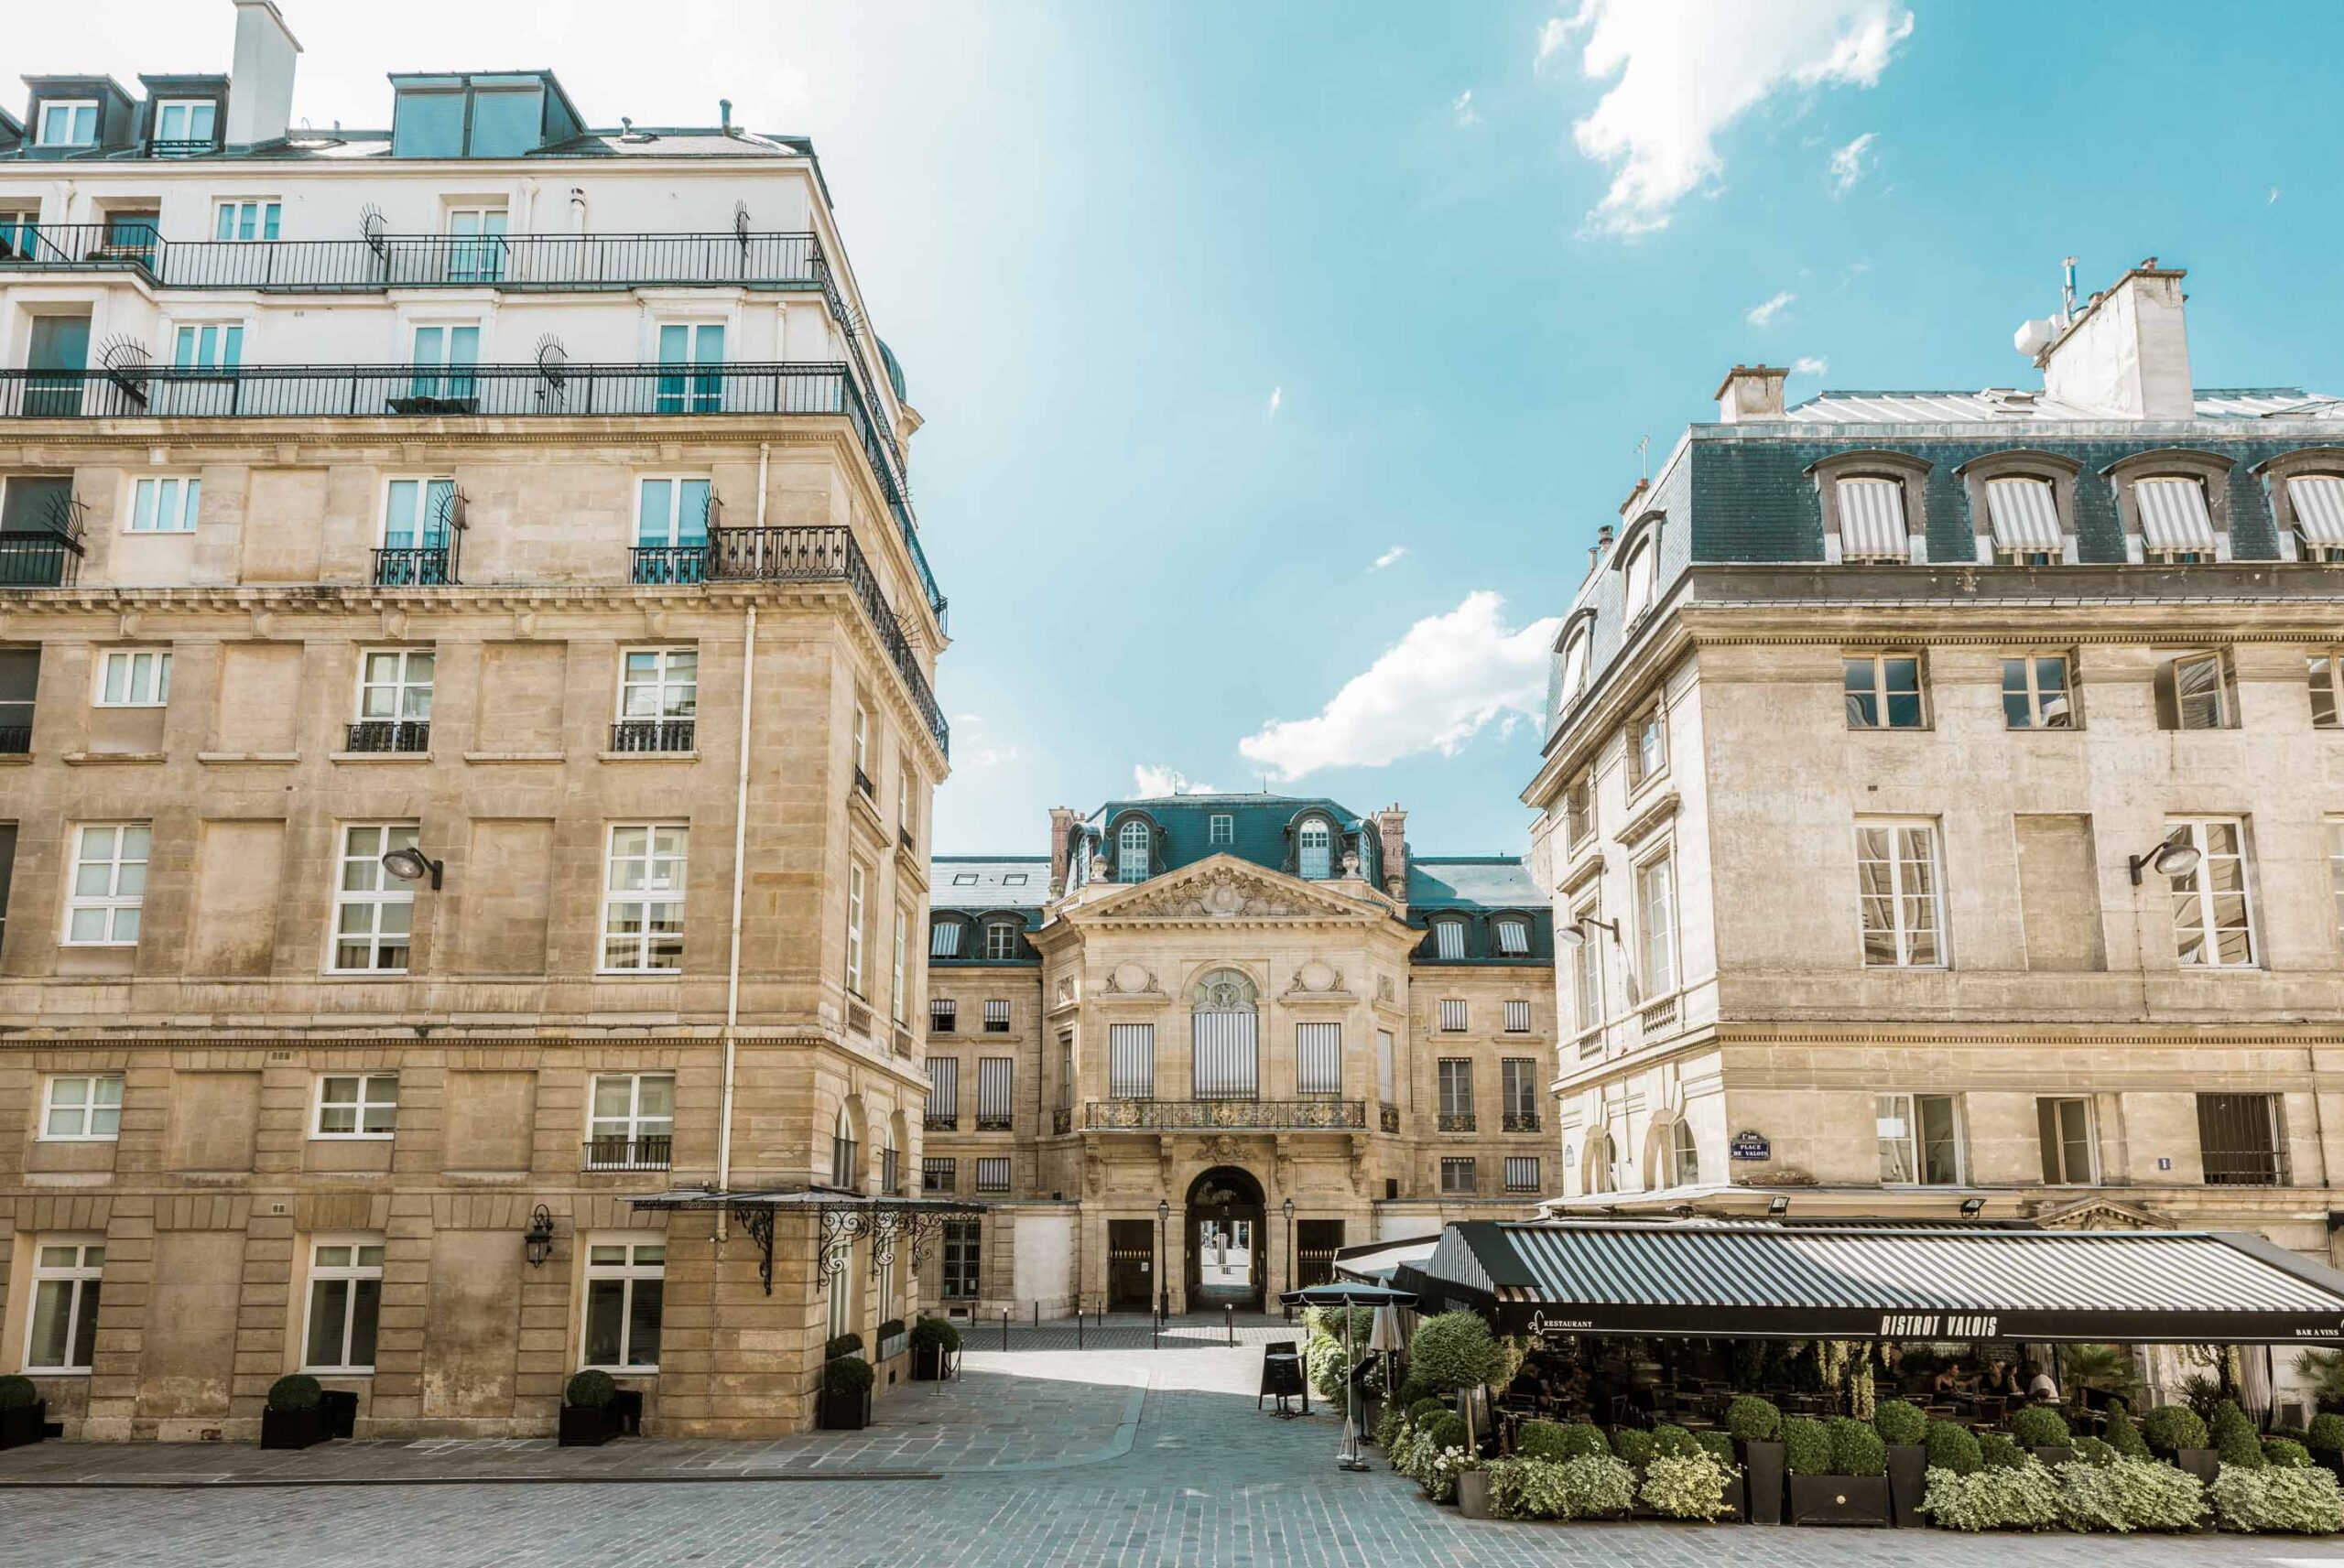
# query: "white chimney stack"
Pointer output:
{"type": "Point", "coordinates": [2126, 353]}
{"type": "Point", "coordinates": [260, 82]}
{"type": "Point", "coordinates": [1750, 392]}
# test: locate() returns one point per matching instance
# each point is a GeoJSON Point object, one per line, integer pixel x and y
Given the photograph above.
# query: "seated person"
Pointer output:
{"type": "Point", "coordinates": [1947, 1383]}
{"type": "Point", "coordinates": [2043, 1387]}
{"type": "Point", "coordinates": [2001, 1378]}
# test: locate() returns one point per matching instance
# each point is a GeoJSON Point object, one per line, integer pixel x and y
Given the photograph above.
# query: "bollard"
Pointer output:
{"type": "Point", "coordinates": [1078, 1326]}
{"type": "Point", "coordinates": [1005, 1328]}
{"type": "Point", "coordinates": [1229, 1316]}
{"type": "Point", "coordinates": [1037, 1312]}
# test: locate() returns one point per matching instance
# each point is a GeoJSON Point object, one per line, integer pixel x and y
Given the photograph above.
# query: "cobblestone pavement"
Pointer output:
{"type": "Point", "coordinates": [1039, 1457]}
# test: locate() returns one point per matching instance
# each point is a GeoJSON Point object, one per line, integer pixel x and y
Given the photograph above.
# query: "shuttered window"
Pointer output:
{"type": "Point", "coordinates": [1319, 1058]}
{"type": "Point", "coordinates": [1452, 1017]}
{"type": "Point", "coordinates": [1224, 1057]}
{"type": "Point", "coordinates": [993, 1175]}
{"type": "Point", "coordinates": [2173, 522]}
{"type": "Point", "coordinates": [1131, 1061]}
{"type": "Point", "coordinates": [943, 1015]}
{"type": "Point", "coordinates": [997, 1017]}
{"type": "Point", "coordinates": [2319, 500]}
{"type": "Point", "coordinates": [1384, 1065]}
{"type": "Point", "coordinates": [939, 1174]}
{"type": "Point", "coordinates": [1513, 938]}
{"type": "Point", "coordinates": [1517, 1018]}
{"type": "Point", "coordinates": [1872, 519]}
{"type": "Point", "coordinates": [2026, 517]}
{"type": "Point", "coordinates": [996, 1076]}
{"type": "Point", "coordinates": [1522, 1173]}
{"type": "Point", "coordinates": [1448, 939]}
{"type": "Point", "coordinates": [943, 1088]}
{"type": "Point", "coordinates": [944, 940]}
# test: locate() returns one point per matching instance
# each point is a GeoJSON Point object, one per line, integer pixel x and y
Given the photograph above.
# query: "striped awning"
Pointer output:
{"type": "Point", "coordinates": [2319, 507]}
{"type": "Point", "coordinates": [1863, 1281]}
{"type": "Point", "coordinates": [2173, 515]}
{"type": "Point", "coordinates": [2025, 515]}
{"type": "Point", "coordinates": [1872, 517]}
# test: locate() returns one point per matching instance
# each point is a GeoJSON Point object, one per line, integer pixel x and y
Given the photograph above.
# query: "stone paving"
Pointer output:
{"type": "Point", "coordinates": [1040, 1455]}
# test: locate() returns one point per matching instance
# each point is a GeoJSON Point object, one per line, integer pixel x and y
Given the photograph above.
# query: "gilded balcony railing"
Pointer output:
{"type": "Point", "coordinates": [1190, 1115]}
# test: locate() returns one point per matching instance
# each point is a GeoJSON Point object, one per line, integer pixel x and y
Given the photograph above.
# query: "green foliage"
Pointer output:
{"type": "Point", "coordinates": [847, 1375]}
{"type": "Point", "coordinates": [2327, 1432]}
{"type": "Point", "coordinates": [1856, 1448]}
{"type": "Point", "coordinates": [936, 1332]}
{"type": "Point", "coordinates": [2234, 1436]}
{"type": "Point", "coordinates": [2126, 1495]}
{"type": "Point", "coordinates": [1328, 1321]}
{"type": "Point", "coordinates": [2285, 1452]}
{"type": "Point", "coordinates": [844, 1345]}
{"type": "Point", "coordinates": [1953, 1448]}
{"type": "Point", "coordinates": [1389, 1424]}
{"type": "Point", "coordinates": [2324, 1371]}
{"type": "Point", "coordinates": [17, 1393]}
{"type": "Point", "coordinates": [1999, 1453]}
{"type": "Point", "coordinates": [2201, 1392]}
{"type": "Point", "coordinates": [2278, 1500]}
{"type": "Point", "coordinates": [1552, 1439]}
{"type": "Point", "coordinates": [587, 1390]}
{"type": "Point", "coordinates": [1455, 1350]}
{"type": "Point", "coordinates": [1717, 1445]}
{"type": "Point", "coordinates": [299, 1391]}
{"type": "Point", "coordinates": [889, 1329]}
{"type": "Point", "coordinates": [2172, 1428]}
{"type": "Point", "coordinates": [1633, 1445]}
{"type": "Point", "coordinates": [2039, 1426]}
{"type": "Point", "coordinates": [1753, 1420]}
{"type": "Point", "coordinates": [1447, 1431]}
{"type": "Point", "coordinates": [2123, 1433]}
{"type": "Point", "coordinates": [2104, 1366]}
{"type": "Point", "coordinates": [1593, 1486]}
{"type": "Point", "coordinates": [1411, 1389]}
{"type": "Point", "coordinates": [1685, 1486]}
{"type": "Point", "coordinates": [2093, 1450]}
{"type": "Point", "coordinates": [1807, 1447]}
{"type": "Point", "coordinates": [1673, 1441]}
{"type": "Point", "coordinates": [1327, 1368]}
{"type": "Point", "coordinates": [1900, 1420]}
{"type": "Point", "coordinates": [2024, 1497]}
{"type": "Point", "coordinates": [1424, 1410]}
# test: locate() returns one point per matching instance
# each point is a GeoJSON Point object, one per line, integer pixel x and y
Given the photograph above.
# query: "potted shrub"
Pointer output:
{"type": "Point", "coordinates": [587, 1420]}
{"type": "Point", "coordinates": [845, 1401]}
{"type": "Point", "coordinates": [844, 1345]}
{"type": "Point", "coordinates": [2122, 1433]}
{"type": "Point", "coordinates": [1953, 1448]}
{"type": "Point", "coordinates": [2043, 1431]}
{"type": "Point", "coordinates": [1838, 1472]}
{"type": "Point", "coordinates": [2325, 1441]}
{"type": "Point", "coordinates": [2236, 1444]}
{"type": "Point", "coordinates": [294, 1417]}
{"type": "Point", "coordinates": [935, 1345]}
{"type": "Point", "coordinates": [1473, 1487]}
{"type": "Point", "coordinates": [1453, 1350]}
{"type": "Point", "coordinates": [1905, 1432]}
{"type": "Point", "coordinates": [1757, 1430]}
{"type": "Point", "coordinates": [2174, 1432]}
{"type": "Point", "coordinates": [24, 1414]}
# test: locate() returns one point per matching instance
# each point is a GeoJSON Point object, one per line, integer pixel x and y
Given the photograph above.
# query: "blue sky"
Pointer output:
{"type": "Point", "coordinates": [1211, 308]}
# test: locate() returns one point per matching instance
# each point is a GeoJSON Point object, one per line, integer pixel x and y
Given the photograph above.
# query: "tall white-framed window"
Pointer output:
{"type": "Point", "coordinates": [1514, 935]}
{"type": "Point", "coordinates": [643, 897]}
{"type": "Point", "coordinates": [356, 1105]}
{"type": "Point", "coordinates": [254, 217]}
{"type": "Point", "coordinates": [631, 1121]}
{"type": "Point", "coordinates": [1683, 1154]}
{"type": "Point", "coordinates": [1573, 674]}
{"type": "Point", "coordinates": [345, 1304]}
{"type": "Point", "coordinates": [905, 825]}
{"type": "Point", "coordinates": [2063, 1125]}
{"type": "Point", "coordinates": [839, 1311]}
{"type": "Point", "coordinates": [1578, 810]}
{"type": "Point", "coordinates": [374, 912]}
{"type": "Point", "coordinates": [658, 686]}
{"type": "Point", "coordinates": [1221, 828]}
{"type": "Point", "coordinates": [1448, 939]}
{"type": "Point", "coordinates": [135, 678]}
{"type": "Point", "coordinates": [104, 900]}
{"type": "Point", "coordinates": [1901, 893]}
{"type": "Point", "coordinates": [1635, 582]}
{"type": "Point", "coordinates": [1316, 851]}
{"type": "Point", "coordinates": [903, 941]}
{"type": "Point", "coordinates": [82, 1108]}
{"type": "Point", "coordinates": [187, 121]}
{"type": "Point", "coordinates": [1655, 886]}
{"type": "Point", "coordinates": [68, 123]}
{"type": "Point", "coordinates": [1884, 691]}
{"type": "Point", "coordinates": [2324, 670]}
{"type": "Point", "coordinates": [861, 742]}
{"type": "Point", "coordinates": [2038, 692]}
{"type": "Point", "coordinates": [1386, 1068]}
{"type": "Point", "coordinates": [2193, 692]}
{"type": "Point", "coordinates": [394, 684]}
{"type": "Point", "coordinates": [1587, 974]}
{"type": "Point", "coordinates": [1920, 1140]}
{"type": "Point", "coordinates": [452, 346]}
{"type": "Point", "coordinates": [854, 901]}
{"type": "Point", "coordinates": [2334, 826]}
{"type": "Point", "coordinates": [627, 1280]}
{"type": "Point", "coordinates": [1318, 1060]}
{"type": "Point", "coordinates": [1131, 851]}
{"type": "Point", "coordinates": [1000, 939]}
{"type": "Point", "coordinates": [691, 360]}
{"type": "Point", "coordinates": [61, 1330]}
{"type": "Point", "coordinates": [2213, 914]}
{"type": "Point", "coordinates": [164, 504]}
{"type": "Point", "coordinates": [671, 512]}
{"type": "Point", "coordinates": [1648, 743]}
{"type": "Point", "coordinates": [476, 243]}
{"type": "Point", "coordinates": [208, 345]}
{"type": "Point", "coordinates": [418, 513]}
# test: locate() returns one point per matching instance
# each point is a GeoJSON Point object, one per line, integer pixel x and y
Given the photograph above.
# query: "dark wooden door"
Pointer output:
{"type": "Point", "coordinates": [1131, 1265]}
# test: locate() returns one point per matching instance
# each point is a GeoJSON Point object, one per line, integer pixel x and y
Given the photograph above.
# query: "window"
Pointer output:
{"type": "Point", "coordinates": [357, 1105]}
{"type": "Point", "coordinates": [1001, 940]}
{"type": "Point", "coordinates": [943, 1015]}
{"type": "Point", "coordinates": [186, 121]}
{"type": "Point", "coordinates": [2063, 1125]}
{"type": "Point", "coordinates": [19, 229]}
{"type": "Point", "coordinates": [2023, 513]}
{"type": "Point", "coordinates": [963, 1250]}
{"type": "Point", "coordinates": [1522, 1173]}
{"type": "Point", "coordinates": [690, 343]}
{"type": "Point", "coordinates": [992, 1174]}
{"type": "Point", "coordinates": [456, 347]}
{"type": "Point", "coordinates": [1587, 973]}
{"type": "Point", "coordinates": [2318, 499]}
{"type": "Point", "coordinates": [1871, 520]}
{"type": "Point", "coordinates": [2213, 923]}
{"type": "Point", "coordinates": [1919, 1144]}
{"type": "Point", "coordinates": [844, 1152]}
{"type": "Point", "coordinates": [1578, 810]}
{"type": "Point", "coordinates": [1519, 1093]}
{"type": "Point", "coordinates": [1517, 1018]}
{"type": "Point", "coordinates": [1452, 1015]}
{"type": "Point", "coordinates": [671, 514]}
{"type": "Point", "coordinates": [1131, 1061]}
{"type": "Point", "coordinates": [164, 505]}
{"type": "Point", "coordinates": [841, 1306]}
{"type": "Point", "coordinates": [2037, 693]}
{"type": "Point", "coordinates": [939, 1174]}
{"type": "Point", "coordinates": [1884, 691]}
{"type": "Point", "coordinates": [1897, 885]}
{"type": "Point", "coordinates": [1635, 582]}
{"type": "Point", "coordinates": [1456, 1081]}
{"type": "Point", "coordinates": [8, 866]}
{"type": "Point", "coordinates": [996, 1079]}
{"type": "Point", "coordinates": [1657, 926]}
{"type": "Point", "coordinates": [1683, 1154]}
{"type": "Point", "coordinates": [2176, 528]}
{"type": "Point", "coordinates": [1319, 1059]}
{"type": "Point", "coordinates": [2325, 669]}
{"type": "Point", "coordinates": [1220, 828]}
{"type": "Point", "coordinates": [1514, 937]}
{"type": "Point", "coordinates": [1384, 1086]}
{"type": "Point", "coordinates": [83, 1107]}
{"type": "Point", "coordinates": [345, 1303]}
{"type": "Point", "coordinates": [1457, 1174]}
{"type": "Point", "coordinates": [658, 696]}
{"type": "Point", "coordinates": [1647, 744]}
{"type": "Point", "coordinates": [394, 684]}
{"type": "Point", "coordinates": [1131, 851]}
{"type": "Point", "coordinates": [135, 678]}
{"type": "Point", "coordinates": [862, 747]}
{"type": "Point", "coordinates": [625, 1282]}
{"type": "Point", "coordinates": [1448, 939]}
{"type": "Point", "coordinates": [964, 879]}
{"type": "Point", "coordinates": [632, 1124]}
{"type": "Point", "coordinates": [245, 219]}
{"type": "Point", "coordinates": [374, 912]}
{"type": "Point", "coordinates": [209, 345]}
{"type": "Point", "coordinates": [1066, 1070]}
{"type": "Point", "coordinates": [1224, 1023]}
{"type": "Point", "coordinates": [643, 897]}
{"type": "Point", "coordinates": [418, 513]}
{"type": "Point", "coordinates": [2241, 1140]}
{"type": "Point", "coordinates": [1014, 880]}
{"type": "Point", "coordinates": [61, 1335]}
{"type": "Point", "coordinates": [68, 123]}
{"type": "Point", "coordinates": [1317, 854]}
{"type": "Point", "coordinates": [997, 1016]}
{"type": "Point", "coordinates": [2193, 692]}
{"type": "Point", "coordinates": [944, 1093]}
{"type": "Point", "coordinates": [476, 242]}
{"type": "Point", "coordinates": [109, 885]}
{"type": "Point", "coordinates": [854, 881]}
{"type": "Point", "coordinates": [944, 940]}
{"type": "Point", "coordinates": [902, 943]}
{"type": "Point", "coordinates": [1573, 674]}
{"type": "Point", "coordinates": [2334, 870]}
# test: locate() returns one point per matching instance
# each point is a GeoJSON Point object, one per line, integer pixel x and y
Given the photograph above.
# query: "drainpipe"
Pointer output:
{"type": "Point", "coordinates": [739, 869]}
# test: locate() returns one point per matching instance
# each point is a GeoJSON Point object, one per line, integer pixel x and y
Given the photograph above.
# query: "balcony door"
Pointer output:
{"type": "Point", "coordinates": [58, 356]}
{"type": "Point", "coordinates": [1223, 1033]}
{"type": "Point", "coordinates": [1131, 1261]}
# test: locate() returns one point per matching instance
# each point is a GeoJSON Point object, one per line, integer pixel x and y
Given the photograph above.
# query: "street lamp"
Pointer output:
{"type": "Point", "coordinates": [538, 1241]}
{"type": "Point", "coordinates": [2174, 860]}
{"type": "Point", "coordinates": [1291, 1282]}
{"type": "Point", "coordinates": [1163, 1283]}
{"type": "Point", "coordinates": [1575, 934]}
{"type": "Point", "coordinates": [412, 865]}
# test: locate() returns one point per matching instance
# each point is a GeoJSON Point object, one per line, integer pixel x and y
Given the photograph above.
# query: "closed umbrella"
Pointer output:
{"type": "Point", "coordinates": [1340, 1294]}
{"type": "Point", "coordinates": [2254, 1378]}
{"type": "Point", "coordinates": [1386, 1337]}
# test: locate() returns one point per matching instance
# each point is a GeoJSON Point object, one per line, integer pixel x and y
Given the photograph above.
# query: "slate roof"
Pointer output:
{"type": "Point", "coordinates": [2000, 405]}
{"type": "Point", "coordinates": [989, 882]}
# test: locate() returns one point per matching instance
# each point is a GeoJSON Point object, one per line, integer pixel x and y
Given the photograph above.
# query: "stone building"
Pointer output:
{"type": "Point", "coordinates": [1943, 809]}
{"type": "Point", "coordinates": [1196, 1009]}
{"type": "Point", "coordinates": [466, 741]}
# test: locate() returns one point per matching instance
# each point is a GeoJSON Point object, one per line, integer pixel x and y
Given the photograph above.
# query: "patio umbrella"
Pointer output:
{"type": "Point", "coordinates": [2254, 1378]}
{"type": "Point", "coordinates": [1386, 1337]}
{"type": "Point", "coordinates": [1348, 1293]}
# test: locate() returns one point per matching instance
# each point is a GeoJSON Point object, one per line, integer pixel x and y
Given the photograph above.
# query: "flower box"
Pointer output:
{"type": "Point", "coordinates": [586, 1426]}
{"type": "Point", "coordinates": [933, 1363]}
{"type": "Point", "coordinates": [294, 1428]}
{"type": "Point", "coordinates": [842, 1410]}
{"type": "Point", "coordinates": [1838, 1499]}
{"type": "Point", "coordinates": [21, 1425]}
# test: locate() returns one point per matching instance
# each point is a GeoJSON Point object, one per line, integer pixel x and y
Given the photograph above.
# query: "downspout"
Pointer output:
{"type": "Point", "coordinates": [739, 869]}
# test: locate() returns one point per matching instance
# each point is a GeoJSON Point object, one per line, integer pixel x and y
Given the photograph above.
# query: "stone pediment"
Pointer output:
{"type": "Point", "coordinates": [1226, 889]}
{"type": "Point", "coordinates": [2099, 1213]}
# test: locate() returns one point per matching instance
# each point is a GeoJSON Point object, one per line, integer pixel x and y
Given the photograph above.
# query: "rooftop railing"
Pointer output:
{"type": "Point", "coordinates": [1191, 1115]}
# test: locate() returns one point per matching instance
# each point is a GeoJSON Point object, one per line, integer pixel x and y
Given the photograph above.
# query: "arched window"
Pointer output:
{"type": "Point", "coordinates": [1684, 1155]}
{"type": "Point", "coordinates": [1316, 853]}
{"type": "Point", "coordinates": [1574, 667]}
{"type": "Point", "coordinates": [1223, 1036]}
{"type": "Point", "coordinates": [842, 1149]}
{"type": "Point", "coordinates": [2024, 512]}
{"type": "Point", "coordinates": [1635, 581]}
{"type": "Point", "coordinates": [1131, 851]}
{"type": "Point", "coordinates": [2174, 505]}
{"type": "Point", "coordinates": [1601, 1177]}
{"type": "Point", "coordinates": [2317, 502]}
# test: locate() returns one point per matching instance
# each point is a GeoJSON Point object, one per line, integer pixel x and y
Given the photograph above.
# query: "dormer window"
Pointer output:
{"type": "Point", "coordinates": [1221, 828]}
{"type": "Point", "coordinates": [2176, 528]}
{"type": "Point", "coordinates": [1001, 940]}
{"type": "Point", "coordinates": [1316, 855]}
{"type": "Point", "coordinates": [68, 123]}
{"type": "Point", "coordinates": [185, 126]}
{"type": "Point", "coordinates": [1448, 939]}
{"type": "Point", "coordinates": [1871, 520]}
{"type": "Point", "coordinates": [944, 940]}
{"type": "Point", "coordinates": [2318, 501]}
{"type": "Point", "coordinates": [2022, 507]}
{"type": "Point", "coordinates": [1872, 507]}
{"type": "Point", "coordinates": [1635, 580]}
{"type": "Point", "coordinates": [2024, 514]}
{"type": "Point", "coordinates": [1514, 937]}
{"type": "Point", "coordinates": [2174, 505]}
{"type": "Point", "coordinates": [1131, 851]}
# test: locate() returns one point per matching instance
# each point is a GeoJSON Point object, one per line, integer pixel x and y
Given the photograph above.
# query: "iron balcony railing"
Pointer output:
{"type": "Point", "coordinates": [38, 559]}
{"type": "Point", "coordinates": [431, 567]}
{"type": "Point", "coordinates": [619, 1153]}
{"type": "Point", "coordinates": [862, 782]}
{"type": "Point", "coordinates": [932, 1123]}
{"type": "Point", "coordinates": [1190, 1115]}
{"type": "Point", "coordinates": [1518, 1122]}
{"type": "Point", "coordinates": [16, 740]}
{"type": "Point", "coordinates": [665, 565]}
{"type": "Point", "coordinates": [389, 735]}
{"type": "Point", "coordinates": [652, 734]}
{"type": "Point", "coordinates": [1455, 1121]}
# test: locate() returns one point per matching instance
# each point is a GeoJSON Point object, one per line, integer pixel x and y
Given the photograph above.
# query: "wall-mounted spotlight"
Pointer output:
{"type": "Point", "coordinates": [412, 865]}
{"type": "Point", "coordinates": [1972, 1207]}
{"type": "Point", "coordinates": [1778, 1206]}
{"type": "Point", "coordinates": [2172, 859]}
{"type": "Point", "coordinates": [1575, 935]}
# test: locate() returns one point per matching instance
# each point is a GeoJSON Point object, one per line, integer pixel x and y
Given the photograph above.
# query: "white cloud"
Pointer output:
{"type": "Point", "coordinates": [1764, 315]}
{"type": "Point", "coordinates": [2273, 199]}
{"type": "Point", "coordinates": [968, 719]}
{"type": "Point", "coordinates": [1450, 678]}
{"type": "Point", "coordinates": [1848, 165]}
{"type": "Point", "coordinates": [1463, 110]}
{"type": "Point", "coordinates": [1681, 70]}
{"type": "Point", "coordinates": [1277, 400]}
{"type": "Point", "coordinates": [1810, 365]}
{"type": "Point", "coordinates": [1388, 557]}
{"type": "Point", "coordinates": [992, 757]}
{"type": "Point", "coordinates": [1151, 783]}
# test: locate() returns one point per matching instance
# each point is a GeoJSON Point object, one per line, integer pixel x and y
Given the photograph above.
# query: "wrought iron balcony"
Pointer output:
{"type": "Point", "coordinates": [390, 735]}
{"type": "Point", "coordinates": [863, 783]}
{"type": "Point", "coordinates": [40, 559]}
{"type": "Point", "coordinates": [652, 734]}
{"type": "Point", "coordinates": [995, 1123]}
{"type": "Point", "coordinates": [16, 740]}
{"type": "Point", "coordinates": [1194, 1115]}
{"type": "Point", "coordinates": [651, 1153]}
{"type": "Point", "coordinates": [431, 567]}
{"type": "Point", "coordinates": [932, 1123]}
{"type": "Point", "coordinates": [1518, 1122]}
{"type": "Point", "coordinates": [1455, 1121]}
{"type": "Point", "coordinates": [666, 565]}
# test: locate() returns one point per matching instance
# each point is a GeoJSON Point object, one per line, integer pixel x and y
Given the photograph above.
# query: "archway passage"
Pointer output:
{"type": "Point", "coordinates": [1226, 1240]}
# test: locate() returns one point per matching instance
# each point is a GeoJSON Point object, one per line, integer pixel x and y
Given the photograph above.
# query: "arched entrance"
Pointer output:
{"type": "Point", "coordinates": [1227, 1239]}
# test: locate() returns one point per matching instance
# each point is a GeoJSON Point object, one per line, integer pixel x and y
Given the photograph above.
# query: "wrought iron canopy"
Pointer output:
{"type": "Point", "coordinates": [840, 1216]}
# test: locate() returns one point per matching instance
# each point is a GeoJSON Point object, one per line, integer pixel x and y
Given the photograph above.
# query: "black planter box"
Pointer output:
{"type": "Point", "coordinates": [1736, 1506]}
{"type": "Point", "coordinates": [1908, 1482]}
{"type": "Point", "coordinates": [1838, 1499]}
{"type": "Point", "coordinates": [931, 1364]}
{"type": "Point", "coordinates": [340, 1409]}
{"type": "Point", "coordinates": [2332, 1459]}
{"type": "Point", "coordinates": [1762, 1472]}
{"type": "Point", "coordinates": [2202, 1463]}
{"type": "Point", "coordinates": [24, 1423]}
{"type": "Point", "coordinates": [2055, 1454]}
{"type": "Point", "coordinates": [293, 1429]}
{"type": "Point", "coordinates": [843, 1409]}
{"type": "Point", "coordinates": [586, 1426]}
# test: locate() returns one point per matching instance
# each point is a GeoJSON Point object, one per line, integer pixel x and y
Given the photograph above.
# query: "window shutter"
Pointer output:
{"type": "Point", "coordinates": [995, 1077]}
{"type": "Point", "coordinates": [2320, 508]}
{"type": "Point", "coordinates": [1872, 518]}
{"type": "Point", "coordinates": [1384, 1065]}
{"type": "Point", "coordinates": [2173, 515]}
{"type": "Point", "coordinates": [1131, 1061]}
{"type": "Point", "coordinates": [1319, 1058]}
{"type": "Point", "coordinates": [1224, 1063]}
{"type": "Point", "coordinates": [944, 941]}
{"type": "Point", "coordinates": [944, 1087]}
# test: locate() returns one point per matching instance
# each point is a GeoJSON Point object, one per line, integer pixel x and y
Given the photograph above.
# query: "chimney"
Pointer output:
{"type": "Point", "coordinates": [1749, 392]}
{"type": "Point", "coordinates": [260, 82]}
{"type": "Point", "coordinates": [1062, 822]}
{"type": "Point", "coordinates": [2126, 353]}
{"type": "Point", "coordinates": [1392, 841]}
